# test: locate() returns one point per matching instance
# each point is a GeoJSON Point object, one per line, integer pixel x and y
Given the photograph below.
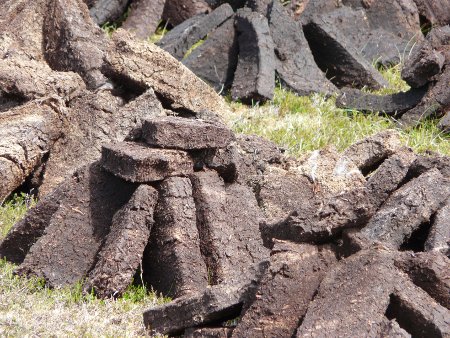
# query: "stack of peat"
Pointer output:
{"type": "Point", "coordinates": [309, 46]}
{"type": "Point", "coordinates": [427, 71]}
{"type": "Point", "coordinates": [244, 51]}
{"type": "Point", "coordinates": [137, 176]}
{"type": "Point", "coordinates": [230, 227]}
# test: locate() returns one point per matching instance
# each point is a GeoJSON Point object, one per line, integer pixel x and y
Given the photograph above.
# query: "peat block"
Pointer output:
{"type": "Point", "coordinates": [389, 176]}
{"type": "Point", "coordinates": [68, 248]}
{"type": "Point", "coordinates": [138, 162]}
{"type": "Point", "coordinates": [182, 133]}
{"type": "Point", "coordinates": [393, 104]}
{"type": "Point", "coordinates": [121, 255]}
{"type": "Point", "coordinates": [439, 235]}
{"type": "Point", "coordinates": [143, 17]}
{"type": "Point", "coordinates": [295, 63]}
{"type": "Point", "coordinates": [216, 303]}
{"type": "Point", "coordinates": [339, 58]}
{"type": "Point", "coordinates": [371, 151]}
{"type": "Point", "coordinates": [215, 60]}
{"type": "Point", "coordinates": [173, 264]}
{"type": "Point", "coordinates": [178, 41]}
{"type": "Point", "coordinates": [285, 291]}
{"type": "Point", "coordinates": [254, 79]}
{"type": "Point", "coordinates": [408, 208]}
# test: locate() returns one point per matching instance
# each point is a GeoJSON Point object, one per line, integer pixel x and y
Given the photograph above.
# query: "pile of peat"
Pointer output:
{"type": "Point", "coordinates": [320, 46]}
{"type": "Point", "coordinates": [230, 227]}
{"type": "Point", "coordinates": [138, 176]}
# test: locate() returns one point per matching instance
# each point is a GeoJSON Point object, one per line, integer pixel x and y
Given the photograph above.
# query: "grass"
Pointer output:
{"type": "Point", "coordinates": [13, 210]}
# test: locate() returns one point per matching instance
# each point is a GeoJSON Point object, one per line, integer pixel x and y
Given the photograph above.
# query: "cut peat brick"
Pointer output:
{"type": "Point", "coordinates": [389, 175]}
{"type": "Point", "coordinates": [17, 243]}
{"type": "Point", "coordinates": [423, 163]}
{"type": "Point", "coordinates": [358, 286]}
{"type": "Point", "coordinates": [435, 102]}
{"type": "Point", "coordinates": [371, 290]}
{"type": "Point", "coordinates": [327, 219]}
{"type": "Point", "coordinates": [183, 133]}
{"type": "Point", "coordinates": [417, 312]}
{"type": "Point", "coordinates": [73, 42]}
{"type": "Point", "coordinates": [423, 63]}
{"type": "Point", "coordinates": [216, 59]}
{"type": "Point", "coordinates": [243, 217]}
{"type": "Point", "coordinates": [217, 303]}
{"type": "Point", "coordinates": [178, 41]}
{"type": "Point", "coordinates": [173, 263]}
{"type": "Point", "coordinates": [208, 332]}
{"type": "Point", "coordinates": [280, 192]}
{"type": "Point", "coordinates": [371, 151]}
{"type": "Point", "coordinates": [285, 291]}
{"type": "Point", "coordinates": [428, 270]}
{"type": "Point", "coordinates": [68, 248]}
{"type": "Point", "coordinates": [122, 252]}
{"type": "Point", "coordinates": [254, 79]}
{"type": "Point", "coordinates": [215, 236]}
{"type": "Point", "coordinates": [107, 10]}
{"type": "Point", "coordinates": [143, 17]}
{"type": "Point", "coordinates": [339, 58]}
{"type": "Point", "coordinates": [439, 236]}
{"type": "Point", "coordinates": [177, 11]}
{"type": "Point", "coordinates": [137, 162]}
{"type": "Point", "coordinates": [294, 61]}
{"type": "Point", "coordinates": [393, 104]}
{"type": "Point", "coordinates": [408, 208]}
{"type": "Point", "coordinates": [228, 222]}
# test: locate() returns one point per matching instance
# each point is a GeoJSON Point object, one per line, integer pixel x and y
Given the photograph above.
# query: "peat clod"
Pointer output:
{"type": "Point", "coordinates": [408, 208]}
{"type": "Point", "coordinates": [439, 235]}
{"type": "Point", "coordinates": [368, 153]}
{"type": "Point", "coordinates": [368, 284]}
{"type": "Point", "coordinates": [179, 40]}
{"type": "Point", "coordinates": [214, 304]}
{"type": "Point", "coordinates": [137, 162]}
{"type": "Point", "coordinates": [144, 66]}
{"type": "Point", "coordinates": [341, 62]}
{"type": "Point", "coordinates": [393, 105]}
{"type": "Point", "coordinates": [181, 133]}
{"type": "Point", "coordinates": [68, 247]}
{"type": "Point", "coordinates": [69, 31]}
{"type": "Point", "coordinates": [172, 263]}
{"type": "Point", "coordinates": [143, 17]}
{"type": "Point", "coordinates": [254, 79]}
{"type": "Point", "coordinates": [103, 11]}
{"type": "Point", "coordinates": [215, 60]}
{"type": "Point", "coordinates": [295, 64]}
{"type": "Point", "coordinates": [298, 268]}
{"type": "Point", "coordinates": [329, 218]}
{"type": "Point", "coordinates": [177, 11]}
{"type": "Point", "coordinates": [389, 176]}
{"type": "Point", "coordinates": [122, 252]}
{"type": "Point", "coordinates": [428, 271]}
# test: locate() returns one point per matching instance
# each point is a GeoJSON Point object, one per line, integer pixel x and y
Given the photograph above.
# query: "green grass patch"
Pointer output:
{"type": "Point", "coordinates": [13, 210]}
{"type": "Point", "coordinates": [193, 47]}
{"type": "Point", "coordinates": [159, 33]}
{"type": "Point", "coordinates": [302, 124]}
